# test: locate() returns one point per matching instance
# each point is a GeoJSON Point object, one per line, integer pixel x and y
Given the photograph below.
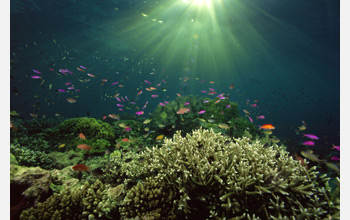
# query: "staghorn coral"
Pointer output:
{"type": "Point", "coordinates": [216, 177]}
{"type": "Point", "coordinates": [78, 203]}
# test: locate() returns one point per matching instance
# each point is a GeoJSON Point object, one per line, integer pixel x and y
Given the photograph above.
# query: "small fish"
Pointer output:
{"type": "Point", "coordinates": [228, 106]}
{"type": "Point", "coordinates": [68, 83]}
{"type": "Point", "coordinates": [217, 101]}
{"type": "Point", "coordinates": [311, 136]}
{"type": "Point", "coordinates": [333, 167]}
{"type": "Point", "coordinates": [120, 105]}
{"type": "Point", "coordinates": [260, 117]}
{"type": "Point", "coordinates": [127, 128]}
{"type": "Point", "coordinates": [212, 93]}
{"type": "Point", "coordinates": [36, 77]}
{"type": "Point", "coordinates": [152, 88]}
{"type": "Point", "coordinates": [71, 100]}
{"type": "Point", "coordinates": [231, 86]}
{"type": "Point", "coordinates": [12, 126]}
{"type": "Point", "coordinates": [82, 136]}
{"type": "Point", "coordinates": [104, 80]}
{"type": "Point", "coordinates": [253, 105]}
{"type": "Point", "coordinates": [80, 69]}
{"type": "Point", "coordinates": [139, 93]}
{"type": "Point", "coordinates": [33, 115]}
{"type": "Point", "coordinates": [147, 121]}
{"type": "Point", "coordinates": [211, 89]}
{"type": "Point", "coordinates": [89, 74]}
{"type": "Point", "coordinates": [114, 116]}
{"type": "Point", "coordinates": [335, 158]}
{"type": "Point", "coordinates": [115, 83]}
{"type": "Point", "coordinates": [250, 119]}
{"type": "Point", "coordinates": [182, 111]}
{"type": "Point", "coordinates": [178, 94]}
{"type": "Point", "coordinates": [70, 88]}
{"type": "Point", "coordinates": [125, 140]}
{"type": "Point", "coordinates": [336, 147]}
{"type": "Point", "coordinates": [36, 71]}
{"type": "Point", "coordinates": [80, 167]}
{"type": "Point", "coordinates": [104, 117]}
{"type": "Point", "coordinates": [224, 126]}
{"type": "Point", "coordinates": [201, 112]}
{"type": "Point", "coordinates": [267, 127]}
{"type": "Point", "coordinates": [302, 161]}
{"type": "Point", "coordinates": [211, 82]}
{"type": "Point", "coordinates": [245, 111]}
{"type": "Point", "coordinates": [61, 145]}
{"type": "Point", "coordinates": [160, 137]}
{"type": "Point", "coordinates": [148, 82]}
{"type": "Point", "coordinates": [186, 103]}
{"type": "Point", "coordinates": [203, 91]}
{"type": "Point", "coordinates": [309, 155]}
{"type": "Point", "coordinates": [154, 96]}
{"type": "Point", "coordinates": [302, 128]}
{"type": "Point", "coordinates": [161, 104]}
{"type": "Point", "coordinates": [83, 67]}
{"type": "Point", "coordinates": [139, 113]}
{"type": "Point", "coordinates": [308, 143]}
{"type": "Point", "coordinates": [84, 147]}
{"type": "Point", "coordinates": [205, 101]}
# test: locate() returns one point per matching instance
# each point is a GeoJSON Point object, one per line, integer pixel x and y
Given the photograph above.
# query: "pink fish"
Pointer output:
{"type": "Point", "coordinates": [126, 98]}
{"type": "Point", "coordinates": [228, 106]}
{"type": "Point", "coordinates": [36, 77]}
{"type": "Point", "coordinates": [68, 83]}
{"type": "Point", "coordinates": [51, 69]}
{"type": "Point", "coordinates": [158, 84]}
{"type": "Point", "coordinates": [118, 99]}
{"type": "Point", "coordinates": [120, 109]}
{"type": "Point", "coordinates": [203, 91]}
{"type": "Point", "coordinates": [309, 143]}
{"type": "Point", "coordinates": [133, 103]}
{"type": "Point", "coordinates": [115, 83]}
{"type": "Point", "coordinates": [201, 112]}
{"type": "Point", "coordinates": [335, 158]}
{"type": "Point", "coordinates": [211, 93]}
{"type": "Point", "coordinates": [260, 117]}
{"type": "Point", "coordinates": [122, 99]}
{"type": "Point", "coordinates": [127, 128]}
{"type": "Point", "coordinates": [336, 147]}
{"type": "Point", "coordinates": [206, 101]}
{"type": "Point", "coordinates": [120, 105]}
{"type": "Point", "coordinates": [77, 90]}
{"type": "Point", "coordinates": [211, 89]}
{"type": "Point", "coordinates": [83, 67]}
{"type": "Point", "coordinates": [36, 71]}
{"type": "Point", "coordinates": [161, 104]}
{"type": "Point", "coordinates": [311, 136]}
{"type": "Point", "coordinates": [148, 82]}
{"type": "Point", "coordinates": [254, 105]}
{"type": "Point", "coordinates": [163, 81]}
{"type": "Point", "coordinates": [165, 102]}
{"type": "Point", "coordinates": [250, 119]}
{"type": "Point", "coordinates": [154, 96]}
{"type": "Point", "coordinates": [222, 97]}
{"type": "Point", "coordinates": [186, 103]}
{"type": "Point", "coordinates": [61, 90]}
{"type": "Point", "coordinates": [139, 113]}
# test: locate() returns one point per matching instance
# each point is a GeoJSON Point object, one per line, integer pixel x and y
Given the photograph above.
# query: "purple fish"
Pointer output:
{"type": "Point", "coordinates": [36, 77]}
{"type": "Point", "coordinates": [61, 90]}
{"type": "Point", "coordinates": [139, 113]}
{"type": "Point", "coordinates": [115, 83]}
{"type": "Point", "coordinates": [335, 158]}
{"type": "Point", "coordinates": [311, 136]}
{"type": "Point", "coordinates": [163, 81]}
{"type": "Point", "coordinates": [158, 84]}
{"type": "Point", "coordinates": [36, 71]}
{"type": "Point", "coordinates": [122, 99]}
{"type": "Point", "coordinates": [127, 129]}
{"type": "Point", "coordinates": [186, 103]}
{"type": "Point", "coordinates": [203, 91]}
{"type": "Point", "coordinates": [161, 104]}
{"type": "Point", "coordinates": [120, 109]}
{"type": "Point", "coordinates": [201, 112]}
{"type": "Point", "coordinates": [148, 82]}
{"type": "Point", "coordinates": [250, 119]}
{"type": "Point", "coordinates": [120, 105]}
{"type": "Point", "coordinates": [126, 98]}
{"type": "Point", "coordinates": [133, 103]}
{"type": "Point", "coordinates": [336, 147]}
{"type": "Point", "coordinates": [68, 83]}
{"type": "Point", "coordinates": [260, 117]}
{"type": "Point", "coordinates": [222, 97]}
{"type": "Point", "coordinates": [309, 143]}
{"type": "Point", "coordinates": [154, 96]}
{"type": "Point", "coordinates": [83, 67]}
{"type": "Point", "coordinates": [211, 89]}
{"type": "Point", "coordinates": [118, 99]}
{"type": "Point", "coordinates": [228, 106]}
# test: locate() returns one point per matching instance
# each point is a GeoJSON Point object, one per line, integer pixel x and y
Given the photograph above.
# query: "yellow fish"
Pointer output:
{"type": "Point", "coordinates": [224, 126]}
{"type": "Point", "coordinates": [147, 121]}
{"type": "Point", "coordinates": [61, 145]}
{"type": "Point", "coordinates": [122, 125]}
{"type": "Point", "coordinates": [160, 137]}
{"type": "Point", "coordinates": [302, 128]}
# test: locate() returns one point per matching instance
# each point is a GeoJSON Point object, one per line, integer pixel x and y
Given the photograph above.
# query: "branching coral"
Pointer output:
{"type": "Point", "coordinates": [78, 203]}
{"type": "Point", "coordinates": [216, 177]}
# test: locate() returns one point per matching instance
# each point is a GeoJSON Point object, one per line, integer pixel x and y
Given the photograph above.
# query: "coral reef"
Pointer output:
{"type": "Point", "coordinates": [216, 177]}
{"type": "Point", "coordinates": [78, 203]}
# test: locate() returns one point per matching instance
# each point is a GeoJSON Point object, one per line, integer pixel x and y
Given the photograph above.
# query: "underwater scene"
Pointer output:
{"type": "Point", "coordinates": [174, 109]}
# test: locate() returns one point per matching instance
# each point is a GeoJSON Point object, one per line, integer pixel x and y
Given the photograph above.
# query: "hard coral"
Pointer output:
{"type": "Point", "coordinates": [211, 176]}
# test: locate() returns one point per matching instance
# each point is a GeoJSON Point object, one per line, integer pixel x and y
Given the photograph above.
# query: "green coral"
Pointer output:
{"type": "Point", "coordinates": [77, 203]}
{"type": "Point", "coordinates": [216, 177]}
{"type": "Point", "coordinates": [31, 158]}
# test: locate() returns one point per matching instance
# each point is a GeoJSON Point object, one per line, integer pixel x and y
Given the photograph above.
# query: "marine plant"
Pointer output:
{"type": "Point", "coordinates": [90, 201]}
{"type": "Point", "coordinates": [212, 176]}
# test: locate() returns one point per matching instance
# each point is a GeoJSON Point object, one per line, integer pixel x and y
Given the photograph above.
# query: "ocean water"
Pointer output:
{"type": "Point", "coordinates": [283, 56]}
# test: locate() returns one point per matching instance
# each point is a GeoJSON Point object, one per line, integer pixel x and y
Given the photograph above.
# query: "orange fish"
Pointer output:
{"type": "Point", "coordinates": [125, 140]}
{"type": "Point", "coordinates": [211, 82]}
{"type": "Point", "coordinates": [82, 136]}
{"type": "Point", "coordinates": [12, 126]}
{"type": "Point", "coordinates": [80, 167]}
{"type": "Point", "coordinates": [182, 111]}
{"type": "Point", "coordinates": [150, 90]}
{"type": "Point", "coordinates": [178, 94]}
{"type": "Point", "coordinates": [71, 100]}
{"type": "Point", "coordinates": [84, 147]}
{"type": "Point", "coordinates": [89, 74]}
{"type": "Point", "coordinates": [104, 80]}
{"type": "Point", "coordinates": [33, 115]}
{"type": "Point", "coordinates": [267, 127]}
{"type": "Point", "coordinates": [139, 93]}
{"type": "Point", "coordinates": [80, 69]}
{"type": "Point", "coordinates": [231, 86]}
{"type": "Point", "coordinates": [302, 161]}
